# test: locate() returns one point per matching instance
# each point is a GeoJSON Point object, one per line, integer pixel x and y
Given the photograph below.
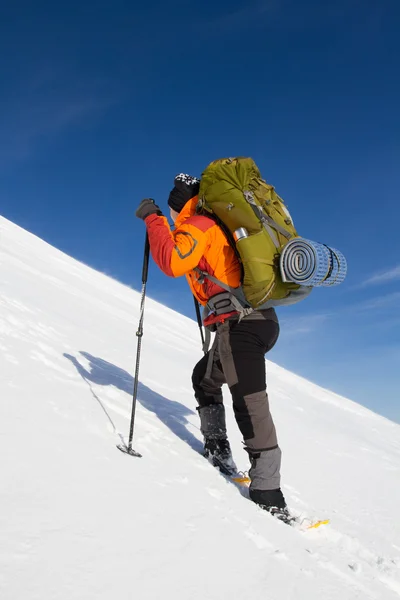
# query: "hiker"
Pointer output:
{"type": "Point", "coordinates": [237, 356]}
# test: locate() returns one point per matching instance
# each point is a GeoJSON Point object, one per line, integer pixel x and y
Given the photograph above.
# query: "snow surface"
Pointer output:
{"type": "Point", "coordinates": [79, 520]}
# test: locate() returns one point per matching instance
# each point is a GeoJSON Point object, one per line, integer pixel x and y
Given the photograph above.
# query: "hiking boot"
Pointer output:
{"type": "Point", "coordinates": [265, 482]}
{"type": "Point", "coordinates": [273, 502]}
{"type": "Point", "coordinates": [220, 454]}
{"type": "Point", "coordinates": [216, 445]}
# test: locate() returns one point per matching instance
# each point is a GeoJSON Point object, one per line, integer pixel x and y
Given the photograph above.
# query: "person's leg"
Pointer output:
{"type": "Point", "coordinates": [242, 349]}
{"type": "Point", "coordinates": [208, 379]}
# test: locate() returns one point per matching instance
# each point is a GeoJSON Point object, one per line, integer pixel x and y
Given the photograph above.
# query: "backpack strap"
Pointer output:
{"type": "Point", "coordinates": [202, 275]}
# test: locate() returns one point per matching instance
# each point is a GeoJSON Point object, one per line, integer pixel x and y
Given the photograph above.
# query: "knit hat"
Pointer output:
{"type": "Point", "coordinates": [185, 188]}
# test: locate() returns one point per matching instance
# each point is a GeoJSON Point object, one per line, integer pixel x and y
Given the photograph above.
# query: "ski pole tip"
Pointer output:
{"type": "Point", "coordinates": [127, 450]}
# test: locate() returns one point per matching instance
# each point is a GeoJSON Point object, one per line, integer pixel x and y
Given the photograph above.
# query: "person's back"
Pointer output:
{"type": "Point", "coordinates": [196, 246]}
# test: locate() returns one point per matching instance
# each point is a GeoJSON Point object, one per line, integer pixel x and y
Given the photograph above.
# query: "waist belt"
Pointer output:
{"type": "Point", "coordinates": [222, 304]}
{"type": "Point", "coordinates": [226, 302]}
{"type": "Point", "coordinates": [233, 300]}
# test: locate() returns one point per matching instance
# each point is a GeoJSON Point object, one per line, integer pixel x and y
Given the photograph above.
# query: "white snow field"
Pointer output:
{"type": "Point", "coordinates": [79, 520]}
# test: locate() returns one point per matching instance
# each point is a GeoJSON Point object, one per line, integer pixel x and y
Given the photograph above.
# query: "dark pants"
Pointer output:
{"type": "Point", "coordinates": [238, 359]}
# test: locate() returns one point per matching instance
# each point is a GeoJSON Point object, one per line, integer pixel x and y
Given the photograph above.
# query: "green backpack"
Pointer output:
{"type": "Point", "coordinates": [257, 222]}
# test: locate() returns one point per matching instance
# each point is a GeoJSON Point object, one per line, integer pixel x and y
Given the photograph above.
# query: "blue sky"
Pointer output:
{"type": "Point", "coordinates": [102, 103]}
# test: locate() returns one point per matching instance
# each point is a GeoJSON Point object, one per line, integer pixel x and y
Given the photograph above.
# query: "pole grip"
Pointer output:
{"type": "Point", "coordinates": [145, 269]}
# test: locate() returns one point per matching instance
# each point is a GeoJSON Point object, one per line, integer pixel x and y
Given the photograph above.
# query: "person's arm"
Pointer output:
{"type": "Point", "coordinates": [175, 252]}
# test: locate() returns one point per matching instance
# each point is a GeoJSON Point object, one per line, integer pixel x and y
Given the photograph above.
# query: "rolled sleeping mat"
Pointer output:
{"type": "Point", "coordinates": [312, 264]}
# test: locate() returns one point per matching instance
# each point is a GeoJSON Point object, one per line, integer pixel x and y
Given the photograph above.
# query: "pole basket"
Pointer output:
{"type": "Point", "coordinates": [127, 450]}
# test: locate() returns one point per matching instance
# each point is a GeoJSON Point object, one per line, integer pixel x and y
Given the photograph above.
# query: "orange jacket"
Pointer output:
{"type": "Point", "coordinates": [196, 241]}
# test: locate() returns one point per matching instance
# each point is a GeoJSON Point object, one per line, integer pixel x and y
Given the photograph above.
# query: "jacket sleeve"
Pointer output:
{"type": "Point", "coordinates": [175, 252]}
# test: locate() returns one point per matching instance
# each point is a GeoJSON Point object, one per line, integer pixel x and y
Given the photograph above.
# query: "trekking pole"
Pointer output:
{"type": "Point", "coordinates": [200, 323]}
{"type": "Point", "coordinates": [128, 449]}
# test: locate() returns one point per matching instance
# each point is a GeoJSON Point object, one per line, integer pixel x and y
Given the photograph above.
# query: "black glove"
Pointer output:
{"type": "Point", "coordinates": [147, 207]}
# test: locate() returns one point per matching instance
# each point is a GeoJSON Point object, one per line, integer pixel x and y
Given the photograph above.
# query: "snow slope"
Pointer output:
{"type": "Point", "coordinates": [79, 520]}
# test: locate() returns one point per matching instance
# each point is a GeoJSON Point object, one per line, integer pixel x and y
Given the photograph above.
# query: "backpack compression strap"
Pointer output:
{"type": "Point", "coordinates": [267, 221]}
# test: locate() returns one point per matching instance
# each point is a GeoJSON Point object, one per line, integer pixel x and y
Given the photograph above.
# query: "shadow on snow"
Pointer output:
{"type": "Point", "coordinates": [172, 413]}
